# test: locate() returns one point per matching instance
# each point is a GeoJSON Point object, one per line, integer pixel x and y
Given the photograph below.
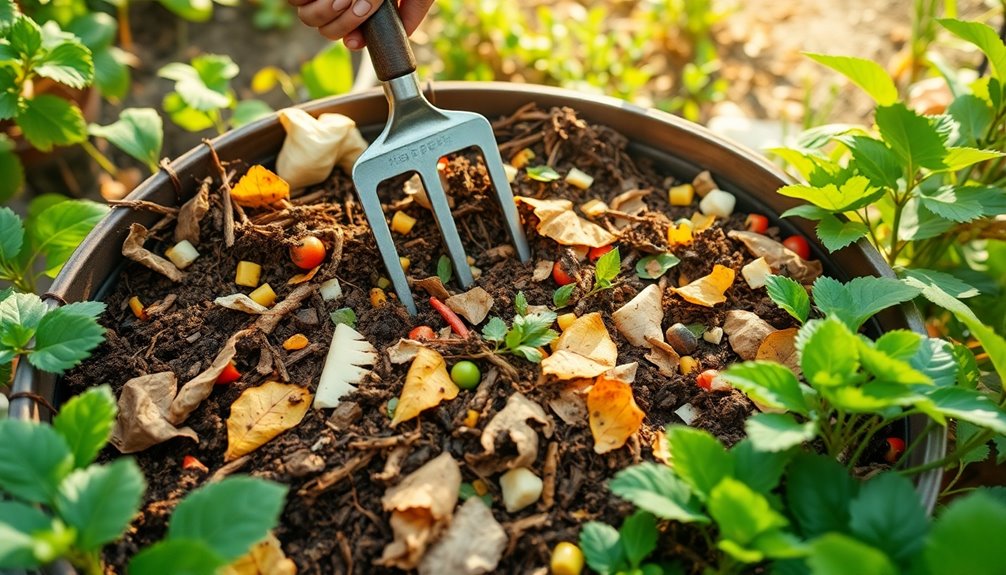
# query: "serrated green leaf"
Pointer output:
{"type": "Point", "coordinates": [602, 547]}
{"type": "Point", "coordinates": [852, 194]}
{"type": "Point", "coordinates": [807, 212]}
{"type": "Point", "coordinates": [968, 373]}
{"type": "Point", "coordinates": [230, 515]}
{"type": "Point", "coordinates": [699, 458]}
{"type": "Point", "coordinates": [875, 160]}
{"type": "Point", "coordinates": [68, 63]}
{"type": "Point", "coordinates": [11, 235]}
{"type": "Point", "coordinates": [535, 329]}
{"type": "Point", "coordinates": [100, 501]}
{"type": "Point", "coordinates": [911, 136]}
{"type": "Point", "coordinates": [20, 315]}
{"type": "Point", "coordinates": [86, 423]}
{"type": "Point", "coordinates": [961, 157]}
{"type": "Point", "coordinates": [888, 515]}
{"type": "Point", "coordinates": [494, 330]}
{"type": "Point", "coordinates": [329, 73]}
{"type": "Point", "coordinates": [919, 223]}
{"type": "Point", "coordinates": [529, 353]}
{"type": "Point", "coordinates": [445, 270]}
{"type": "Point", "coordinates": [174, 556]}
{"type": "Point", "coordinates": [742, 513]}
{"type": "Point", "coordinates": [790, 295]}
{"type": "Point", "coordinates": [191, 10]}
{"type": "Point", "coordinates": [247, 111]}
{"type": "Point", "coordinates": [34, 459]}
{"type": "Point", "coordinates": [861, 298]}
{"type": "Point", "coordinates": [25, 37]}
{"type": "Point", "coordinates": [11, 172]}
{"type": "Point", "coordinates": [770, 384]}
{"type": "Point", "coordinates": [964, 433]}
{"type": "Point", "coordinates": [653, 266]}
{"type": "Point", "coordinates": [965, 404]}
{"type": "Point", "coordinates": [138, 132]}
{"type": "Point", "coordinates": [759, 470]}
{"type": "Point", "coordinates": [818, 493]}
{"type": "Point", "coordinates": [935, 359]}
{"type": "Point", "coordinates": [866, 74]}
{"type": "Point", "coordinates": [111, 73]}
{"type": "Point", "coordinates": [343, 315]}
{"type": "Point", "coordinates": [48, 121]}
{"type": "Point", "coordinates": [60, 228]}
{"type": "Point", "coordinates": [958, 204]}
{"type": "Point", "coordinates": [205, 84]}
{"type": "Point", "coordinates": [828, 352]}
{"type": "Point", "coordinates": [835, 234]}
{"type": "Point", "coordinates": [9, 98]}
{"type": "Point", "coordinates": [959, 541]}
{"type": "Point", "coordinates": [8, 11]}
{"type": "Point", "coordinates": [953, 286]}
{"type": "Point", "coordinates": [899, 344]}
{"type": "Point", "coordinates": [186, 117]}
{"type": "Point", "coordinates": [655, 488]}
{"type": "Point", "coordinates": [638, 535]}
{"type": "Point", "coordinates": [973, 115]}
{"type": "Point", "coordinates": [872, 397]}
{"type": "Point", "coordinates": [982, 36]}
{"type": "Point", "coordinates": [560, 297]}
{"type": "Point", "coordinates": [520, 303]}
{"type": "Point", "coordinates": [91, 309]}
{"type": "Point", "coordinates": [18, 522]}
{"type": "Point", "coordinates": [607, 267]}
{"type": "Point", "coordinates": [889, 369]}
{"type": "Point", "coordinates": [63, 340]}
{"type": "Point", "coordinates": [542, 173]}
{"type": "Point", "coordinates": [776, 432]}
{"type": "Point", "coordinates": [833, 553]}
{"type": "Point", "coordinates": [96, 30]}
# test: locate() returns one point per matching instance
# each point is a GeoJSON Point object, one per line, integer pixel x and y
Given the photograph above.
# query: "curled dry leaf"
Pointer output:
{"type": "Point", "coordinates": [313, 146]}
{"type": "Point", "coordinates": [472, 545]}
{"type": "Point", "coordinates": [259, 187]}
{"type": "Point", "coordinates": [511, 422]}
{"type": "Point", "coordinates": [780, 347]}
{"type": "Point", "coordinates": [571, 403]}
{"type": "Point", "coordinates": [264, 558]}
{"type": "Point", "coordinates": [194, 391]}
{"type": "Point", "coordinates": [626, 373]}
{"type": "Point", "coordinates": [557, 221]}
{"type": "Point", "coordinates": [192, 212]}
{"type": "Point", "coordinates": [708, 290]}
{"type": "Point", "coordinates": [304, 277]}
{"type": "Point", "coordinates": [614, 415]}
{"type": "Point", "coordinates": [584, 349]}
{"type": "Point", "coordinates": [133, 249]}
{"type": "Point", "coordinates": [745, 332]}
{"type": "Point", "coordinates": [433, 286]}
{"type": "Point", "coordinates": [241, 302]}
{"type": "Point", "coordinates": [261, 413]}
{"type": "Point", "coordinates": [661, 447]}
{"type": "Point", "coordinates": [663, 356]}
{"type": "Point", "coordinates": [782, 260]}
{"type": "Point", "coordinates": [404, 351]}
{"type": "Point", "coordinates": [426, 385]}
{"type": "Point", "coordinates": [142, 421]}
{"type": "Point", "coordinates": [473, 305]}
{"type": "Point", "coordinates": [703, 183]}
{"type": "Point", "coordinates": [421, 507]}
{"type": "Point", "coordinates": [542, 271]}
{"type": "Point", "coordinates": [631, 203]}
{"type": "Point", "coordinates": [640, 318]}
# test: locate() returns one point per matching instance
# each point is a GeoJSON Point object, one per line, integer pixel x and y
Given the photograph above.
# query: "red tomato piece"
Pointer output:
{"type": "Point", "coordinates": [422, 332]}
{"type": "Point", "coordinates": [230, 374]}
{"type": "Point", "coordinates": [308, 254]}
{"type": "Point", "coordinates": [798, 245]}
{"type": "Point", "coordinates": [560, 276]}
{"type": "Point", "coordinates": [190, 462]}
{"type": "Point", "coordinates": [757, 223]}
{"type": "Point", "coordinates": [710, 380]}
{"type": "Point", "coordinates": [895, 447]}
{"type": "Point", "coordinates": [595, 253]}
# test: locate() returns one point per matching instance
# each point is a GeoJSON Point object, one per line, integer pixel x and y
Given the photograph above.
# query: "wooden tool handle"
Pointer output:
{"type": "Point", "coordinates": [388, 44]}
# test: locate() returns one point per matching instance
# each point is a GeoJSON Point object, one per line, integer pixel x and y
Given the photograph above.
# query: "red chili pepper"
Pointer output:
{"type": "Point", "coordinates": [560, 276]}
{"type": "Point", "coordinates": [595, 253]}
{"type": "Point", "coordinates": [757, 223]}
{"type": "Point", "coordinates": [230, 374]}
{"type": "Point", "coordinates": [798, 245]}
{"type": "Point", "coordinates": [450, 317]}
{"type": "Point", "coordinates": [422, 332]}
{"type": "Point", "coordinates": [895, 447]}
{"type": "Point", "coordinates": [190, 462]}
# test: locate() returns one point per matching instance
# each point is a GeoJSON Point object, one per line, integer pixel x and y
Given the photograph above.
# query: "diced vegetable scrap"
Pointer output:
{"type": "Point", "coordinates": [614, 415]}
{"type": "Point", "coordinates": [594, 209]}
{"type": "Point", "coordinates": [471, 418]}
{"type": "Point", "coordinates": [473, 305]}
{"type": "Point", "coordinates": [259, 187]}
{"type": "Point", "coordinates": [247, 274]}
{"type": "Point", "coordinates": [405, 263]}
{"type": "Point", "coordinates": [522, 157]}
{"type": "Point", "coordinates": [452, 319]}
{"type": "Point", "coordinates": [313, 146]}
{"type": "Point", "coordinates": [557, 221]}
{"type": "Point", "coordinates": [584, 349]}
{"type": "Point", "coordinates": [189, 462]}
{"type": "Point", "coordinates": [344, 315]}
{"type": "Point", "coordinates": [230, 374]}
{"type": "Point", "coordinates": [263, 295]}
{"type": "Point", "coordinates": [688, 364]}
{"type": "Point", "coordinates": [542, 173]}
{"type": "Point", "coordinates": [182, 254]}
{"type": "Point", "coordinates": [579, 179]}
{"type": "Point", "coordinates": [702, 222]}
{"type": "Point", "coordinates": [263, 412]}
{"type": "Point", "coordinates": [511, 423]}
{"type": "Point", "coordinates": [136, 306]}
{"type": "Point", "coordinates": [708, 290]}
{"type": "Point", "coordinates": [330, 290]}
{"type": "Point", "coordinates": [687, 413]}
{"type": "Point", "coordinates": [641, 317]}
{"type": "Point", "coordinates": [472, 545]}
{"type": "Point", "coordinates": [520, 487]}
{"type": "Point", "coordinates": [378, 298]}
{"type": "Point", "coordinates": [345, 365]}
{"type": "Point", "coordinates": [718, 203]}
{"type": "Point", "coordinates": [756, 273]}
{"type": "Point", "coordinates": [703, 183]}
{"type": "Point", "coordinates": [402, 223]}
{"type": "Point", "coordinates": [426, 385]}
{"type": "Point", "coordinates": [745, 332]}
{"type": "Point", "coordinates": [710, 380]}
{"type": "Point", "coordinates": [679, 234]}
{"type": "Point", "coordinates": [295, 342]}
{"type": "Point", "coordinates": [713, 335]}
{"type": "Point", "coordinates": [264, 558]}
{"type": "Point", "coordinates": [681, 195]}
{"type": "Point", "coordinates": [133, 249]}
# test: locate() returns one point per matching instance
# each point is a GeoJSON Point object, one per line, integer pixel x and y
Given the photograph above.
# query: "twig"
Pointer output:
{"type": "Point", "coordinates": [143, 205]}
{"type": "Point", "coordinates": [229, 468]}
{"type": "Point", "coordinates": [36, 398]}
{"type": "Point", "coordinates": [330, 479]}
{"type": "Point", "coordinates": [384, 442]}
{"type": "Point", "coordinates": [226, 184]}
{"type": "Point", "coordinates": [345, 551]}
{"type": "Point", "coordinates": [166, 166]}
{"type": "Point", "coordinates": [549, 471]}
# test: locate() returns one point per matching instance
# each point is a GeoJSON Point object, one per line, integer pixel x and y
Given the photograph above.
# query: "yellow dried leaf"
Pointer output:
{"type": "Point", "coordinates": [702, 222]}
{"type": "Point", "coordinates": [708, 290]}
{"type": "Point", "coordinates": [745, 331]}
{"type": "Point", "coordinates": [557, 221]}
{"type": "Point", "coordinates": [259, 187]}
{"type": "Point", "coordinates": [780, 347]}
{"type": "Point", "coordinates": [426, 385]}
{"type": "Point", "coordinates": [265, 558]}
{"type": "Point", "coordinates": [661, 447]}
{"type": "Point", "coordinates": [583, 350]}
{"type": "Point", "coordinates": [262, 413]}
{"type": "Point", "coordinates": [614, 415]}
{"type": "Point", "coordinates": [304, 277]}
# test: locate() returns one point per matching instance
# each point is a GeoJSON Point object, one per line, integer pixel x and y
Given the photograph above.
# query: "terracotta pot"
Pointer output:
{"type": "Point", "coordinates": [677, 146]}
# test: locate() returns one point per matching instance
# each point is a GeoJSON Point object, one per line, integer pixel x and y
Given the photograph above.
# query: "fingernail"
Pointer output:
{"type": "Point", "coordinates": [361, 8]}
{"type": "Point", "coordinates": [353, 44]}
{"type": "Point", "coordinates": [340, 5]}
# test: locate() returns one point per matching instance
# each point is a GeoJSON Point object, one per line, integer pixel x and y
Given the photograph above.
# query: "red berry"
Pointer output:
{"type": "Point", "coordinates": [308, 254]}
{"type": "Point", "coordinates": [560, 276]}
{"type": "Point", "coordinates": [595, 253]}
{"type": "Point", "coordinates": [798, 245]}
{"type": "Point", "coordinates": [229, 374]}
{"type": "Point", "coordinates": [895, 447]}
{"type": "Point", "coordinates": [757, 223]}
{"type": "Point", "coordinates": [422, 332]}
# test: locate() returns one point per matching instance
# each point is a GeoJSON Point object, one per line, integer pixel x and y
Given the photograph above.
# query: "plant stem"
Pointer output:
{"type": "Point", "coordinates": [954, 456]}
{"type": "Point", "coordinates": [100, 158]}
{"type": "Point", "coordinates": [930, 426]}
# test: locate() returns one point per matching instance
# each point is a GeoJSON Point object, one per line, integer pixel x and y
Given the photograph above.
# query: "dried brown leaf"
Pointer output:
{"type": "Point", "coordinates": [404, 351]}
{"type": "Point", "coordinates": [472, 545]}
{"type": "Point", "coordinates": [663, 356]}
{"type": "Point", "coordinates": [265, 558]}
{"type": "Point", "coordinates": [781, 259]}
{"type": "Point", "coordinates": [542, 271]}
{"type": "Point", "coordinates": [511, 422]}
{"type": "Point", "coordinates": [241, 302]}
{"type": "Point", "coordinates": [433, 286]}
{"type": "Point", "coordinates": [142, 421]}
{"type": "Point", "coordinates": [745, 332]}
{"type": "Point", "coordinates": [133, 249]}
{"type": "Point", "coordinates": [192, 212]}
{"type": "Point", "coordinates": [640, 318]}
{"type": "Point", "coordinates": [780, 347]}
{"type": "Point", "coordinates": [583, 350]}
{"type": "Point", "coordinates": [473, 305]}
{"type": "Point", "coordinates": [194, 391]}
{"type": "Point", "coordinates": [556, 220]}
{"type": "Point", "coordinates": [263, 412]}
{"type": "Point", "coordinates": [426, 385]}
{"type": "Point", "coordinates": [571, 403]}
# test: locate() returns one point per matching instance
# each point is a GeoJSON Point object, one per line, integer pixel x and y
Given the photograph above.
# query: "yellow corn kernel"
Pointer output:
{"type": "Point", "coordinates": [402, 223]}
{"type": "Point", "coordinates": [295, 342]}
{"type": "Point", "coordinates": [594, 208]}
{"type": "Point", "coordinates": [567, 559]}
{"type": "Point", "coordinates": [263, 295]}
{"type": "Point", "coordinates": [138, 310]}
{"type": "Point", "coordinates": [378, 297]}
{"type": "Point", "coordinates": [521, 158]}
{"type": "Point", "coordinates": [681, 195]}
{"type": "Point", "coordinates": [687, 364]}
{"type": "Point", "coordinates": [247, 274]}
{"type": "Point", "coordinates": [406, 262]}
{"type": "Point", "coordinates": [565, 320]}
{"type": "Point", "coordinates": [383, 282]}
{"type": "Point", "coordinates": [480, 487]}
{"type": "Point", "coordinates": [471, 418]}
{"type": "Point", "coordinates": [679, 234]}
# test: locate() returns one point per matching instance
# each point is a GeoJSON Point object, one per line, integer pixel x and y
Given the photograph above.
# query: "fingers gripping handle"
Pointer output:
{"type": "Point", "coordinates": [388, 44]}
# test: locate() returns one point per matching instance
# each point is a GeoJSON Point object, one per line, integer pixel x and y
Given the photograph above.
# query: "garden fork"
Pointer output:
{"type": "Point", "coordinates": [416, 136]}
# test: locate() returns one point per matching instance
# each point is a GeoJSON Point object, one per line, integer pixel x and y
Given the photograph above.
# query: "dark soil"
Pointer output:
{"type": "Point", "coordinates": [342, 528]}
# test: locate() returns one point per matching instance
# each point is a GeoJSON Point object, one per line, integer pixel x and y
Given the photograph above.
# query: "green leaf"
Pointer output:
{"type": "Point", "coordinates": [96, 30]}
{"type": "Point", "coordinates": [91, 309]}
{"type": "Point", "coordinates": [184, 116]}
{"type": "Point", "coordinates": [63, 340]}
{"type": "Point", "coordinates": [778, 431]}
{"type": "Point", "coordinates": [191, 10]}
{"type": "Point", "coordinates": [111, 72]}
{"type": "Point", "coordinates": [835, 234]}
{"type": "Point", "coordinates": [965, 404]}
{"type": "Point", "coordinates": [858, 300]}
{"type": "Point", "coordinates": [204, 85]}
{"type": "Point", "coordinates": [770, 384]}
{"type": "Point", "coordinates": [818, 493]}
{"type": "Point", "coordinates": [960, 539]}
{"type": "Point", "coordinates": [58, 230]}
{"type": "Point", "coordinates": [560, 297]}
{"type": "Point", "coordinates": [138, 132]}
{"type": "Point", "coordinates": [919, 223]}
{"type": "Point", "coordinates": [983, 36]}
{"type": "Point", "coordinates": [445, 270]}
{"type": "Point", "coordinates": [330, 73]}
{"type": "Point", "coordinates": [494, 330]}
{"type": "Point", "coordinates": [833, 553]}
{"type": "Point", "coordinates": [86, 423]}
{"type": "Point", "coordinates": [759, 470]}
{"type": "Point", "coordinates": [100, 501]}
{"type": "Point", "coordinates": [953, 286]}
{"type": "Point", "coordinates": [961, 157]}
{"type": "Point", "coordinates": [699, 458]}
{"type": "Point", "coordinates": [34, 459]}
{"type": "Point", "coordinates": [790, 295]}
{"type": "Point", "coordinates": [176, 556]}
{"type": "Point", "coordinates": [655, 488]}
{"type": "Point", "coordinates": [68, 63]}
{"type": "Point", "coordinates": [912, 137]}
{"type": "Point", "coordinates": [230, 515]}
{"type": "Point", "coordinates": [852, 194]}
{"type": "Point", "coordinates": [973, 116]}
{"type": "Point", "coordinates": [638, 535]}
{"type": "Point", "coordinates": [653, 266]}
{"type": "Point", "coordinates": [18, 522]}
{"type": "Point", "coordinates": [343, 315]}
{"type": "Point", "coordinates": [520, 303]}
{"type": "Point", "coordinates": [965, 432]}
{"type": "Point", "coordinates": [866, 74]}
{"type": "Point", "coordinates": [25, 37]}
{"type": "Point", "coordinates": [742, 513]}
{"type": "Point", "coordinates": [535, 329]}
{"type": "Point", "coordinates": [247, 111]}
{"type": "Point", "coordinates": [968, 373]}
{"type": "Point", "coordinates": [529, 353]}
{"type": "Point", "coordinates": [607, 267]}
{"type": "Point", "coordinates": [828, 352]}
{"type": "Point", "coordinates": [8, 12]}
{"type": "Point", "coordinates": [888, 515]}
{"type": "Point", "coordinates": [48, 121]}
{"type": "Point", "coordinates": [543, 174]}
{"type": "Point", "coordinates": [11, 171]}
{"type": "Point", "coordinates": [602, 547]}
{"type": "Point", "coordinates": [945, 203]}
{"type": "Point", "coordinates": [875, 160]}
{"type": "Point", "coordinates": [935, 359]}
{"type": "Point", "coordinates": [889, 369]}
{"type": "Point", "coordinates": [11, 235]}
{"type": "Point", "coordinates": [20, 315]}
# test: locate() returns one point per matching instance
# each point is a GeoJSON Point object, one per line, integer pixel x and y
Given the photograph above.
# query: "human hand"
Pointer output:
{"type": "Point", "coordinates": [341, 19]}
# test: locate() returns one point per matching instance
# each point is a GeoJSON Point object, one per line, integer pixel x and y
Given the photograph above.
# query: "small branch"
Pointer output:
{"type": "Point", "coordinates": [226, 184]}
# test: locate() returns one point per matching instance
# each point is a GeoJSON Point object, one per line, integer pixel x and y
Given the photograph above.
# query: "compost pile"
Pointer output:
{"type": "Point", "coordinates": [399, 475]}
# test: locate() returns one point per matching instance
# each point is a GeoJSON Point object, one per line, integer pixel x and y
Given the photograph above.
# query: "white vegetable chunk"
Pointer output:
{"type": "Point", "coordinates": [713, 335]}
{"type": "Point", "coordinates": [511, 172]}
{"type": "Point", "coordinates": [347, 355]}
{"type": "Point", "coordinates": [520, 487]}
{"type": "Point", "coordinates": [687, 413]}
{"type": "Point", "coordinates": [330, 290]}
{"type": "Point", "coordinates": [182, 254]}
{"type": "Point", "coordinates": [756, 273]}
{"type": "Point", "coordinates": [718, 203]}
{"type": "Point", "coordinates": [579, 179]}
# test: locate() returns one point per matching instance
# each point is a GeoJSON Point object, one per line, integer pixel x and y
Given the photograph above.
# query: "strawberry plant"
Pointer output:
{"type": "Point", "coordinates": [526, 334]}
{"type": "Point", "coordinates": [203, 92]}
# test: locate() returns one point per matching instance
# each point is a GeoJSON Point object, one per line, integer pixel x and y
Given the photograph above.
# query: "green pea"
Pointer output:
{"type": "Point", "coordinates": [466, 374]}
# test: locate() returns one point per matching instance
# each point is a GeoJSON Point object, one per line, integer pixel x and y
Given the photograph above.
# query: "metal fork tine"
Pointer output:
{"type": "Point", "coordinates": [448, 229]}
{"type": "Point", "coordinates": [367, 191]}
